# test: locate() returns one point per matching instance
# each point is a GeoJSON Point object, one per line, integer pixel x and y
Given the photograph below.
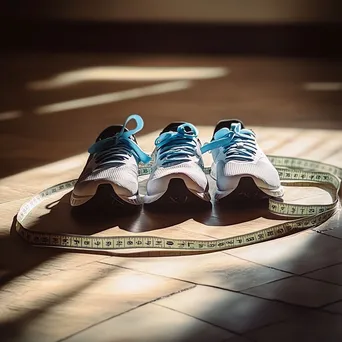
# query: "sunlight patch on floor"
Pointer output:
{"type": "Point", "coordinates": [128, 73]}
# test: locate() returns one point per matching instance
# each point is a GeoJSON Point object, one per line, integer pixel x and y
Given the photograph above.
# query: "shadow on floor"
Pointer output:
{"type": "Point", "coordinates": [265, 92]}
{"type": "Point", "coordinates": [13, 329]}
{"type": "Point", "coordinates": [61, 218]}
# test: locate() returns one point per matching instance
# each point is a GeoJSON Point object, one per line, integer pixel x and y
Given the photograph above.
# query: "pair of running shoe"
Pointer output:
{"type": "Point", "coordinates": [176, 165]}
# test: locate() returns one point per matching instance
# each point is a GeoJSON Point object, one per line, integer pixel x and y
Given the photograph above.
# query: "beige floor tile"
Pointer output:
{"type": "Point", "coordinates": [61, 304]}
{"type": "Point", "coordinates": [306, 141]}
{"type": "Point", "coordinates": [335, 228]}
{"type": "Point", "coordinates": [313, 327]}
{"type": "Point", "coordinates": [15, 262]}
{"type": "Point", "coordinates": [152, 323]}
{"type": "Point", "coordinates": [45, 264]}
{"type": "Point", "coordinates": [38, 262]}
{"type": "Point", "coordinates": [336, 157]}
{"type": "Point", "coordinates": [234, 311]}
{"type": "Point", "coordinates": [299, 290]}
{"type": "Point", "coordinates": [336, 308]}
{"type": "Point", "coordinates": [7, 212]}
{"type": "Point", "coordinates": [216, 269]}
{"type": "Point", "coordinates": [332, 274]}
{"type": "Point", "coordinates": [39, 178]}
{"type": "Point", "coordinates": [275, 140]}
{"type": "Point", "coordinates": [13, 193]}
{"type": "Point", "coordinates": [328, 145]}
{"type": "Point", "coordinates": [298, 253]}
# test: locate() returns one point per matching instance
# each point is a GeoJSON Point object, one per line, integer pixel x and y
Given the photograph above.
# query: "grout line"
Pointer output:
{"type": "Point", "coordinates": [327, 235]}
{"type": "Point", "coordinates": [322, 281]}
{"type": "Point", "coordinates": [323, 310]}
{"type": "Point", "coordinates": [271, 300]}
{"type": "Point", "coordinates": [328, 304]}
{"type": "Point", "coordinates": [149, 273]}
{"type": "Point", "coordinates": [297, 306]}
{"type": "Point", "coordinates": [256, 263]}
{"type": "Point", "coordinates": [229, 290]}
{"type": "Point", "coordinates": [292, 273]}
{"type": "Point", "coordinates": [321, 268]}
{"type": "Point", "coordinates": [289, 319]}
{"type": "Point", "coordinates": [121, 313]}
{"type": "Point", "coordinates": [200, 319]}
{"type": "Point", "coordinates": [252, 331]}
{"type": "Point", "coordinates": [270, 282]}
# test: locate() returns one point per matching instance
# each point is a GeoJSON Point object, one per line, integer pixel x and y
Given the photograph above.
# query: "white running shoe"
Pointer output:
{"type": "Point", "coordinates": [111, 172]}
{"type": "Point", "coordinates": [239, 164]}
{"type": "Point", "coordinates": [177, 171]}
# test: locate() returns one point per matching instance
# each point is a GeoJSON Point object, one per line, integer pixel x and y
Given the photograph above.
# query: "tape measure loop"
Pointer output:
{"type": "Point", "coordinates": [292, 172]}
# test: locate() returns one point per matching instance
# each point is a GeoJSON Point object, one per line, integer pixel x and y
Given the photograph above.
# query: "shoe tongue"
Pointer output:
{"type": "Point", "coordinates": [228, 124]}
{"type": "Point", "coordinates": [172, 127]}
{"type": "Point", "coordinates": [111, 131]}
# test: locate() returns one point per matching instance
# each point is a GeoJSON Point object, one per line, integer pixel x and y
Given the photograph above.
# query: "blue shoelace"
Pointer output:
{"type": "Point", "coordinates": [177, 147]}
{"type": "Point", "coordinates": [238, 143]}
{"type": "Point", "coordinates": [120, 146]}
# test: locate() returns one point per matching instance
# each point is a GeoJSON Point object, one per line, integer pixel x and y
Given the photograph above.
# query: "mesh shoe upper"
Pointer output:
{"type": "Point", "coordinates": [177, 155]}
{"type": "Point", "coordinates": [236, 154]}
{"type": "Point", "coordinates": [124, 178]}
{"type": "Point", "coordinates": [260, 168]}
{"type": "Point", "coordinates": [113, 160]}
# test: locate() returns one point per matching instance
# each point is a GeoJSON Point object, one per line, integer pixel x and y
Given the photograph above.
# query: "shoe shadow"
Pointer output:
{"type": "Point", "coordinates": [228, 213]}
{"type": "Point", "coordinates": [58, 217]}
{"type": "Point", "coordinates": [62, 218]}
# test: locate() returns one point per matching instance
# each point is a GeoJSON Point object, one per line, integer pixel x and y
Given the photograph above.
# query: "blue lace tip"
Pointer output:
{"type": "Point", "coordinates": [146, 159]}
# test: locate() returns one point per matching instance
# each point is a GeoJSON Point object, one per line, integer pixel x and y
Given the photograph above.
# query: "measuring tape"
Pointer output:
{"type": "Point", "coordinates": [292, 172]}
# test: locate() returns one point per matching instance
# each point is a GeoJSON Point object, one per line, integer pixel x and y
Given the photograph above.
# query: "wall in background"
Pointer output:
{"type": "Point", "coordinates": [222, 11]}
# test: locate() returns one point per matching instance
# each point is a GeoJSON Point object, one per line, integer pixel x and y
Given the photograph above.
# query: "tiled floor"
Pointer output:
{"type": "Point", "coordinates": [311, 326]}
{"type": "Point", "coordinates": [288, 289]}
{"type": "Point", "coordinates": [336, 307]}
{"type": "Point", "coordinates": [299, 253]}
{"type": "Point", "coordinates": [154, 323]}
{"type": "Point", "coordinates": [233, 311]}
{"type": "Point", "coordinates": [332, 274]}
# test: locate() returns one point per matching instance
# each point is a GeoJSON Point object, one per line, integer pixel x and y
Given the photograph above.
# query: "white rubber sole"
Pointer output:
{"type": "Point", "coordinates": [219, 194]}
{"type": "Point", "coordinates": [277, 193]}
{"type": "Point", "coordinates": [76, 200]}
